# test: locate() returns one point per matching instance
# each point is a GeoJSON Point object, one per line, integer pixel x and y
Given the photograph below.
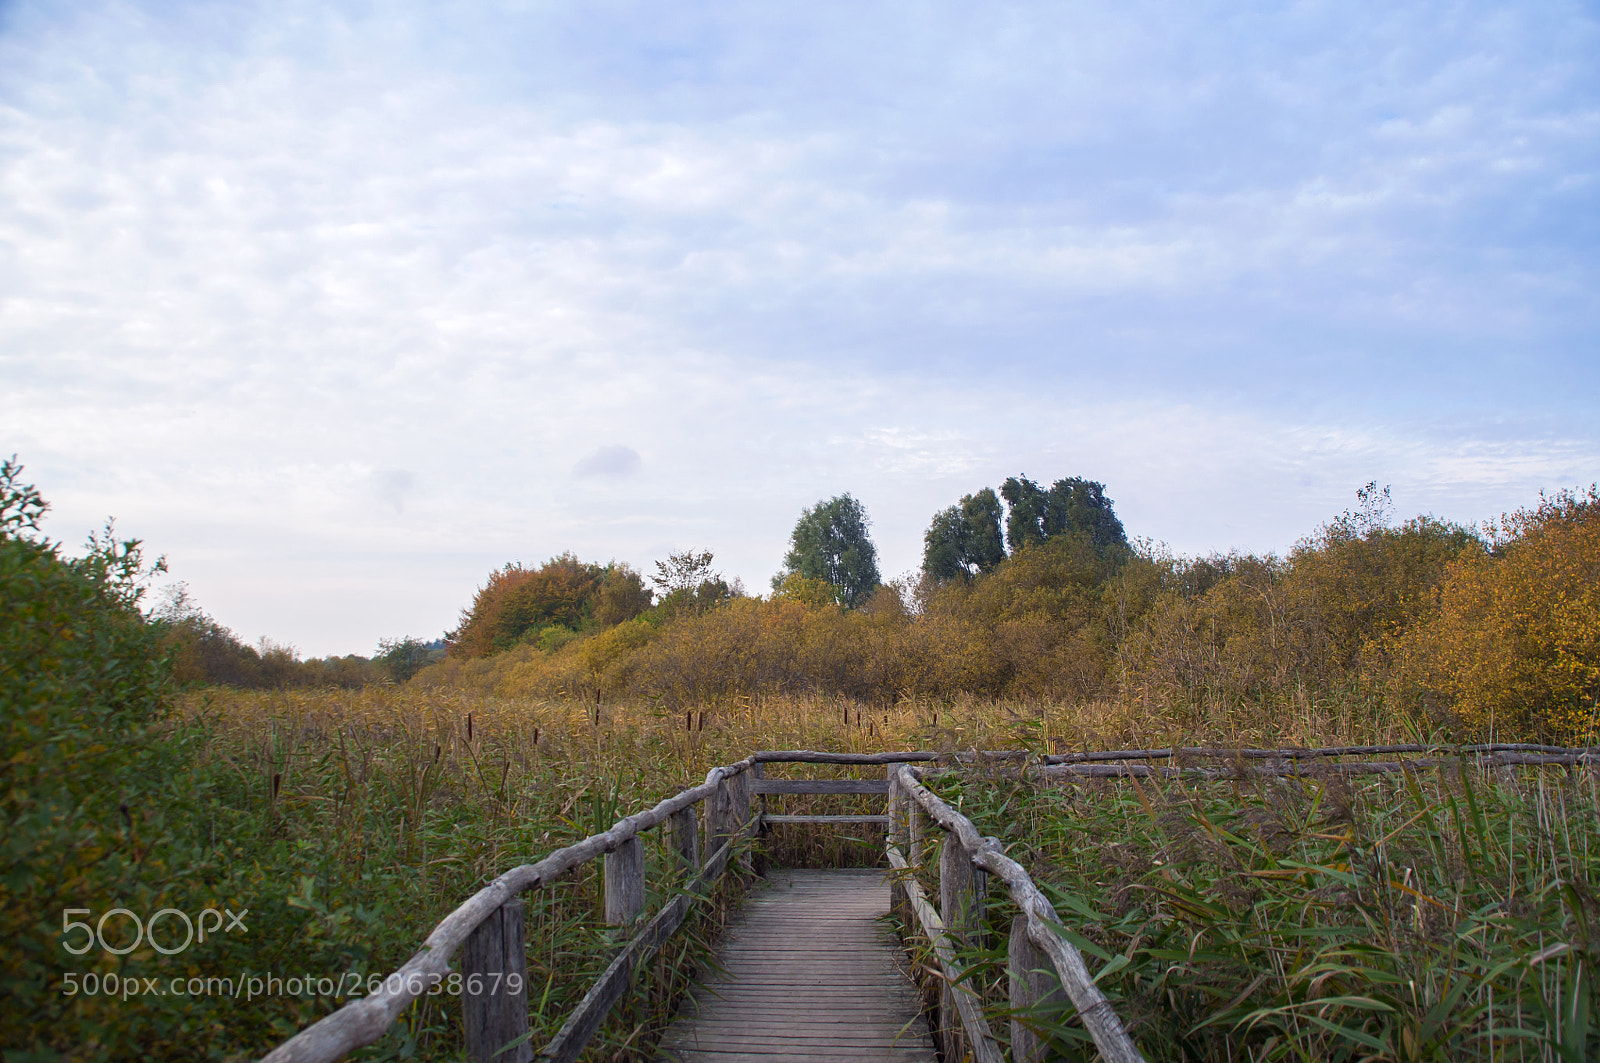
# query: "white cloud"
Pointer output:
{"type": "Point", "coordinates": [341, 311]}
{"type": "Point", "coordinates": [613, 462]}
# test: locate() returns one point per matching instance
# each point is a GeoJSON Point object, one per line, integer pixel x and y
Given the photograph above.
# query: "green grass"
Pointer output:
{"type": "Point", "coordinates": [350, 822]}
{"type": "Point", "coordinates": [1441, 916]}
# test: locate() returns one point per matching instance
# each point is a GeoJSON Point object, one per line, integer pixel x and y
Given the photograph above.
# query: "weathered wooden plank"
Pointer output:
{"type": "Point", "coordinates": [829, 1000]}
{"type": "Point", "coordinates": [624, 875]}
{"type": "Point", "coordinates": [791, 1041]}
{"type": "Point", "coordinates": [805, 973]}
{"type": "Point", "coordinates": [820, 786]}
{"type": "Point", "coordinates": [808, 756]}
{"type": "Point", "coordinates": [585, 1019]}
{"type": "Point", "coordinates": [1033, 983]}
{"type": "Point", "coordinates": [881, 821]}
{"type": "Point", "coordinates": [751, 1026]}
{"type": "Point", "coordinates": [845, 1007]}
{"type": "Point", "coordinates": [494, 1001]}
{"type": "Point", "coordinates": [781, 1051]}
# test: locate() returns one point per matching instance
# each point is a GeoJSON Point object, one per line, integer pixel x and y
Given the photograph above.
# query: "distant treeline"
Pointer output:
{"type": "Point", "coordinates": [200, 650]}
{"type": "Point", "coordinates": [1034, 592]}
{"type": "Point", "coordinates": [1476, 629]}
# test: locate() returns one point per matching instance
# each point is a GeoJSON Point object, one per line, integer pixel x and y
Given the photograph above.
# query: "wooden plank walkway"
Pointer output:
{"type": "Point", "coordinates": [808, 974]}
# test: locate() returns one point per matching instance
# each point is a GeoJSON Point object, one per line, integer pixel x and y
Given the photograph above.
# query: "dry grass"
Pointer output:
{"type": "Point", "coordinates": [1449, 915]}
{"type": "Point", "coordinates": [371, 813]}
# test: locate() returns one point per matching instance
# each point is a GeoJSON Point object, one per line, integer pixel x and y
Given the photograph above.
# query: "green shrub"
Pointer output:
{"type": "Point", "coordinates": [105, 805]}
{"type": "Point", "coordinates": [87, 758]}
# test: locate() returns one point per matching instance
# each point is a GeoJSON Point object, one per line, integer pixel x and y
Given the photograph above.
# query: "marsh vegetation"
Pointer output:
{"type": "Point", "coordinates": [1441, 916]}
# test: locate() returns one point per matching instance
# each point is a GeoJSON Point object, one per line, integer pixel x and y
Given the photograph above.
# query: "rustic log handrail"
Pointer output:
{"type": "Point", "coordinates": [1213, 753]}
{"type": "Point", "coordinates": [1367, 767]}
{"type": "Point", "coordinates": [812, 756]}
{"type": "Point", "coordinates": [984, 1049]}
{"type": "Point", "coordinates": [1098, 1016]}
{"type": "Point", "coordinates": [363, 1021]}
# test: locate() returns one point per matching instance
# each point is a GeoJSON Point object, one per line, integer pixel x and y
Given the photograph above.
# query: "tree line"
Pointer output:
{"type": "Point", "coordinates": [1031, 591]}
{"type": "Point", "coordinates": [1488, 630]}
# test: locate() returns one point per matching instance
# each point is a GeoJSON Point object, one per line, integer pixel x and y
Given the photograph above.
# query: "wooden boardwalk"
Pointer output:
{"type": "Point", "coordinates": [808, 974]}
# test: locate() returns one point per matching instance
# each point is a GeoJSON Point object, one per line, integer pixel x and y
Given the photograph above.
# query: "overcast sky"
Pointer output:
{"type": "Point", "coordinates": [340, 306]}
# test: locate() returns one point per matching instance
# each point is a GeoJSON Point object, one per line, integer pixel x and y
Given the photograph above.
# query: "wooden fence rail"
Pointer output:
{"type": "Point", "coordinates": [1299, 766]}
{"type": "Point", "coordinates": [487, 929]}
{"type": "Point", "coordinates": [363, 1021]}
{"type": "Point", "coordinates": [1302, 753]}
{"type": "Point", "coordinates": [963, 851]}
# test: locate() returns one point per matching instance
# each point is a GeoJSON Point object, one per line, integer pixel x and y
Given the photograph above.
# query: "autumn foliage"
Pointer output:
{"type": "Point", "coordinates": [1470, 632]}
{"type": "Point", "coordinates": [547, 605]}
{"type": "Point", "coordinates": [1515, 642]}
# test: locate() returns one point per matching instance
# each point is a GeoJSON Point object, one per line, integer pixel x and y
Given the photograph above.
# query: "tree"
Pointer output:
{"type": "Point", "coordinates": [687, 583]}
{"type": "Point", "coordinates": [814, 593]}
{"type": "Point", "coordinates": [683, 571]}
{"type": "Point", "coordinates": [622, 595]}
{"type": "Point", "coordinates": [830, 542]}
{"type": "Point", "coordinates": [1514, 646]}
{"type": "Point", "coordinates": [964, 540]}
{"type": "Point", "coordinates": [517, 604]}
{"type": "Point", "coordinates": [93, 802]}
{"type": "Point", "coordinates": [402, 658]}
{"type": "Point", "coordinates": [1070, 505]}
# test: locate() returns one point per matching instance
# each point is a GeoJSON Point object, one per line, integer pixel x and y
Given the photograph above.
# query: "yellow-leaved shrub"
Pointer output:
{"type": "Point", "coordinates": [1514, 649]}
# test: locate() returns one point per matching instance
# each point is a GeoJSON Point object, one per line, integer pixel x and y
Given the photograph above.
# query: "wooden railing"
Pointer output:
{"type": "Point", "coordinates": [487, 930]}
{"type": "Point", "coordinates": [1040, 961]}
{"type": "Point", "coordinates": [965, 860]}
{"type": "Point", "coordinates": [1238, 763]}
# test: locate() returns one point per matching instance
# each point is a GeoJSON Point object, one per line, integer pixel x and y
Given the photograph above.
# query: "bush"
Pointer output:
{"type": "Point", "coordinates": [1515, 647]}
{"type": "Point", "coordinates": [547, 605]}
{"type": "Point", "coordinates": [400, 659]}
{"type": "Point", "coordinates": [105, 803]}
{"type": "Point", "coordinates": [88, 754]}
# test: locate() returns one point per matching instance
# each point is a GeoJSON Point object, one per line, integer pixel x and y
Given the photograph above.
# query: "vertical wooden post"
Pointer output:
{"type": "Point", "coordinates": [896, 834]}
{"type": "Point", "coordinates": [961, 890]}
{"type": "Point", "coordinates": [719, 815]}
{"type": "Point", "coordinates": [733, 811]}
{"type": "Point", "coordinates": [955, 909]}
{"type": "Point", "coordinates": [625, 882]}
{"type": "Point", "coordinates": [896, 838]}
{"type": "Point", "coordinates": [739, 798]}
{"type": "Point", "coordinates": [916, 831]}
{"type": "Point", "coordinates": [1032, 984]}
{"type": "Point", "coordinates": [756, 861]}
{"type": "Point", "coordinates": [494, 987]}
{"type": "Point", "coordinates": [685, 827]}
